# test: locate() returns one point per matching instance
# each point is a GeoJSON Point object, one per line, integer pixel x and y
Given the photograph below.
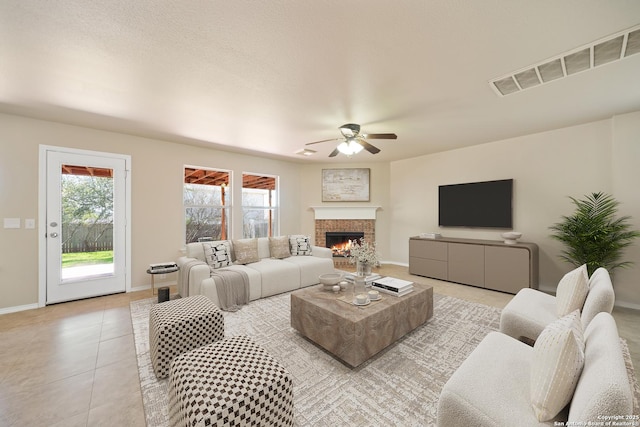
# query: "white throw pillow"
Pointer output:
{"type": "Point", "coordinates": [279, 247]}
{"type": "Point", "coordinates": [218, 253]}
{"type": "Point", "coordinates": [558, 359]}
{"type": "Point", "coordinates": [246, 251]}
{"type": "Point", "coordinates": [299, 245]}
{"type": "Point", "coordinates": [572, 291]}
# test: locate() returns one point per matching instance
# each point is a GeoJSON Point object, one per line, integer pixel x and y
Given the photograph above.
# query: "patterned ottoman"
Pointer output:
{"type": "Point", "coordinates": [181, 325]}
{"type": "Point", "coordinates": [232, 382]}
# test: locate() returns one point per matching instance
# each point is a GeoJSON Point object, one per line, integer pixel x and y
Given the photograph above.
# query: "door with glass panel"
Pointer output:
{"type": "Point", "coordinates": [85, 225]}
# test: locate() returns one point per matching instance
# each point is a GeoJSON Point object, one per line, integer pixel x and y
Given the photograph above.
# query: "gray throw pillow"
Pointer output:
{"type": "Point", "coordinates": [246, 251]}
{"type": "Point", "coordinates": [279, 247]}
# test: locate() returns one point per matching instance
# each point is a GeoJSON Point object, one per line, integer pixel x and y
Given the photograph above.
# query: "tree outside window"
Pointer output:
{"type": "Point", "coordinates": [207, 204]}
{"type": "Point", "coordinates": [259, 206]}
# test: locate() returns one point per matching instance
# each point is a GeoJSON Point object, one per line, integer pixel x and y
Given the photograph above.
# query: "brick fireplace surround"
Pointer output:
{"type": "Point", "coordinates": [366, 226]}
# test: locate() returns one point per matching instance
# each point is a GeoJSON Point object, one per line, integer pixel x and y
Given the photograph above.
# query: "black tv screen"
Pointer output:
{"type": "Point", "coordinates": [476, 204]}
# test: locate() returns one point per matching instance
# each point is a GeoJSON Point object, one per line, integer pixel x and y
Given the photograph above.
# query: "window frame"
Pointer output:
{"type": "Point", "coordinates": [274, 226]}
{"type": "Point", "coordinates": [226, 204]}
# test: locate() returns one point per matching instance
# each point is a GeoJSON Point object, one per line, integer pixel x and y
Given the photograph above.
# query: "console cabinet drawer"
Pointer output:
{"type": "Point", "coordinates": [428, 249]}
{"type": "Point", "coordinates": [428, 268]}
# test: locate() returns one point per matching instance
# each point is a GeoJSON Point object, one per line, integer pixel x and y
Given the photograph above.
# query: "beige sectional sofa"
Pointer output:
{"type": "Point", "coordinates": [268, 276]}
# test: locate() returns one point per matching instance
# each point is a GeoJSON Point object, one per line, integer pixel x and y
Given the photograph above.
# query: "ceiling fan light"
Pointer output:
{"type": "Point", "coordinates": [349, 147]}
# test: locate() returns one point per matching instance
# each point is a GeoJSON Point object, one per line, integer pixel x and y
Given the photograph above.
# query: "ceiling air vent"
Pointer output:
{"type": "Point", "coordinates": [551, 70]}
{"type": "Point", "coordinates": [633, 43]}
{"type": "Point", "coordinates": [607, 51]}
{"type": "Point", "coordinates": [603, 51]}
{"type": "Point", "coordinates": [506, 86]}
{"type": "Point", "coordinates": [578, 61]}
{"type": "Point", "coordinates": [528, 78]}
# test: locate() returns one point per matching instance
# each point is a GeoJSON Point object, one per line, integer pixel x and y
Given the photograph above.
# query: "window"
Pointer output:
{"type": "Point", "coordinates": [259, 206]}
{"type": "Point", "coordinates": [206, 204]}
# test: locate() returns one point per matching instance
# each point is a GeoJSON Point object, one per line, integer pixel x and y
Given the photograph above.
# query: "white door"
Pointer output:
{"type": "Point", "coordinates": [86, 220]}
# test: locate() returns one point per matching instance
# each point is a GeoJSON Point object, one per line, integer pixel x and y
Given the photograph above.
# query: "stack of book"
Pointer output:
{"type": "Point", "coordinates": [393, 286]}
{"type": "Point", "coordinates": [430, 235]}
{"type": "Point", "coordinates": [350, 277]}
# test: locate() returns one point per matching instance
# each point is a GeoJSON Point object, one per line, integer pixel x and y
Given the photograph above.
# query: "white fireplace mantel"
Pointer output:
{"type": "Point", "coordinates": [345, 212]}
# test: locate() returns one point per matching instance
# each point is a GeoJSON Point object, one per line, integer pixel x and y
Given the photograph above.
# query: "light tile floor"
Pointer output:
{"type": "Point", "coordinates": [74, 364]}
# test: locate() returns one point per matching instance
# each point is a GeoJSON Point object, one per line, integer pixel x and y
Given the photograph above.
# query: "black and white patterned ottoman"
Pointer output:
{"type": "Point", "coordinates": [181, 325]}
{"type": "Point", "coordinates": [232, 382]}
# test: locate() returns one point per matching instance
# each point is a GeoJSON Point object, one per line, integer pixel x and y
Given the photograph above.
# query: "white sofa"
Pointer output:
{"type": "Point", "coordinates": [492, 387]}
{"type": "Point", "coordinates": [266, 277]}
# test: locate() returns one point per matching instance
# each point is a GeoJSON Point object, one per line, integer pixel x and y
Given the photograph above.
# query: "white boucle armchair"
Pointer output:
{"type": "Point", "coordinates": [530, 311]}
{"type": "Point", "coordinates": [492, 387]}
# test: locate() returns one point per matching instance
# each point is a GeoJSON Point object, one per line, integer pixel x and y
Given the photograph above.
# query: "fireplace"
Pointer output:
{"type": "Point", "coordinates": [339, 241]}
{"type": "Point", "coordinates": [324, 226]}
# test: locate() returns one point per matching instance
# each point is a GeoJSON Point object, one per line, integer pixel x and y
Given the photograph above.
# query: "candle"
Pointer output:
{"type": "Point", "coordinates": [374, 295]}
{"type": "Point", "coordinates": [361, 298]}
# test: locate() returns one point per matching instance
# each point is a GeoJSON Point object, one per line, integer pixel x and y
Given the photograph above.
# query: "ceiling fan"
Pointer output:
{"type": "Point", "coordinates": [354, 141]}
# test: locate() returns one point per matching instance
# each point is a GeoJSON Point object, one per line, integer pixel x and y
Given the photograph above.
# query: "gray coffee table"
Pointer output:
{"type": "Point", "coordinates": [354, 334]}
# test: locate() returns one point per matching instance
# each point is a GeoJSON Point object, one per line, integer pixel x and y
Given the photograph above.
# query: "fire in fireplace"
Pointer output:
{"type": "Point", "coordinates": [339, 241]}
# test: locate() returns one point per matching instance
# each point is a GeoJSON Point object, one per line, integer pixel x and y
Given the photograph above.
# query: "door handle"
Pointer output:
{"type": "Point", "coordinates": [54, 234]}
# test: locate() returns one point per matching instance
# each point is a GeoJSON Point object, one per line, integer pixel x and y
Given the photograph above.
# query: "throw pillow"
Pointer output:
{"type": "Point", "coordinates": [299, 245]}
{"type": "Point", "coordinates": [558, 359]}
{"type": "Point", "coordinates": [246, 251]}
{"type": "Point", "coordinates": [218, 253]}
{"type": "Point", "coordinates": [279, 247]}
{"type": "Point", "coordinates": [572, 291]}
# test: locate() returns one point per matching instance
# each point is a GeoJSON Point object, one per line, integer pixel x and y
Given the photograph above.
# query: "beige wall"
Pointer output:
{"type": "Point", "coordinates": [546, 168]}
{"type": "Point", "coordinates": [157, 221]}
{"type": "Point", "coordinates": [311, 179]}
{"type": "Point", "coordinates": [626, 188]}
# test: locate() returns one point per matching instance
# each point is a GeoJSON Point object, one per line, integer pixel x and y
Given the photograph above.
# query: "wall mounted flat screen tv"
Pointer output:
{"type": "Point", "coordinates": [485, 204]}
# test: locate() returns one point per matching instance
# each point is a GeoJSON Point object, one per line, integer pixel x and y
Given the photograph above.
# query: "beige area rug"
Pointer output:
{"type": "Point", "coordinates": [399, 386]}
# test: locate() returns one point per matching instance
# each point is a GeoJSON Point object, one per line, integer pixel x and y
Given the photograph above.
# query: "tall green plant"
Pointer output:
{"type": "Point", "coordinates": [593, 235]}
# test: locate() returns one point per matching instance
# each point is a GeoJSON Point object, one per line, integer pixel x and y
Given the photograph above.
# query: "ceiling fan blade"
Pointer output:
{"type": "Point", "coordinates": [334, 153]}
{"type": "Point", "coordinates": [380, 136]}
{"type": "Point", "coordinates": [324, 140]}
{"type": "Point", "coordinates": [370, 148]}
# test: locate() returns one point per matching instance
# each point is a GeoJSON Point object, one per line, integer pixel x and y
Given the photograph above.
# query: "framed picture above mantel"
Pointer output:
{"type": "Point", "coordinates": [345, 185]}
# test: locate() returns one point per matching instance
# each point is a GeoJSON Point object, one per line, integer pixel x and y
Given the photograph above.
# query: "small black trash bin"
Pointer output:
{"type": "Point", "coordinates": [163, 294]}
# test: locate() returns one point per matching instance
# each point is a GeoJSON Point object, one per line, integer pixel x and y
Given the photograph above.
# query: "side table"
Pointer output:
{"type": "Point", "coordinates": [162, 271]}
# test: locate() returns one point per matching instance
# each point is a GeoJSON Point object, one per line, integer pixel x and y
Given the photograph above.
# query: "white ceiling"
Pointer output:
{"type": "Point", "coordinates": [270, 76]}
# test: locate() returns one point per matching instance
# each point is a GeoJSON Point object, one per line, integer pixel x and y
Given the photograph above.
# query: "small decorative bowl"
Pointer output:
{"type": "Point", "coordinates": [511, 237]}
{"type": "Point", "coordinates": [330, 279]}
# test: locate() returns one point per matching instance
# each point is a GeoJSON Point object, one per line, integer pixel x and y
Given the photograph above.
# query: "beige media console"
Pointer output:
{"type": "Point", "coordinates": [489, 264]}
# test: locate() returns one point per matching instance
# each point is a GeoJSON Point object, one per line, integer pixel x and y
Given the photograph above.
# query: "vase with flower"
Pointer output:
{"type": "Point", "coordinates": [364, 255]}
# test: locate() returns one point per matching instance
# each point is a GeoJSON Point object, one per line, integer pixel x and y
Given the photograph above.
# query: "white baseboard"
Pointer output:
{"type": "Point", "coordinates": [17, 308]}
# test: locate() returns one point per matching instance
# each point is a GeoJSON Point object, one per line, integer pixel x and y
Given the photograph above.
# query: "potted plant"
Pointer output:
{"type": "Point", "coordinates": [364, 255]}
{"type": "Point", "coordinates": [593, 235]}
